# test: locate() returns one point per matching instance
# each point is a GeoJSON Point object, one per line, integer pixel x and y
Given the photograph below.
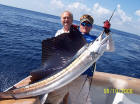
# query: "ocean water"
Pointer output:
{"type": "Point", "coordinates": [21, 33]}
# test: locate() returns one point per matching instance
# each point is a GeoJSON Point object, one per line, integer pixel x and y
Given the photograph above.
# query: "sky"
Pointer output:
{"type": "Point", "coordinates": [126, 17]}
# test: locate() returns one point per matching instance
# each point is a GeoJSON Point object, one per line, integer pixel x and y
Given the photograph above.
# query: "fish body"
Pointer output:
{"type": "Point", "coordinates": [84, 58]}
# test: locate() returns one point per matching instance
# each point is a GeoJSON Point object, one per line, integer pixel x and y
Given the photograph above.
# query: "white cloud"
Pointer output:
{"type": "Point", "coordinates": [137, 12]}
{"type": "Point", "coordinates": [100, 13]}
{"type": "Point", "coordinates": [99, 10]}
{"type": "Point", "coordinates": [122, 21]}
{"type": "Point", "coordinates": [77, 5]}
{"type": "Point", "coordinates": [122, 15]}
{"type": "Point", "coordinates": [57, 3]}
{"type": "Point", "coordinates": [78, 9]}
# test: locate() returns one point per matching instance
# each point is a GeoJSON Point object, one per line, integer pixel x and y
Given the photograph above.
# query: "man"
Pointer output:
{"type": "Point", "coordinates": [79, 89]}
{"type": "Point", "coordinates": [86, 22]}
{"type": "Point", "coordinates": [66, 20]}
{"type": "Point", "coordinates": [60, 50]}
{"type": "Point", "coordinates": [57, 96]}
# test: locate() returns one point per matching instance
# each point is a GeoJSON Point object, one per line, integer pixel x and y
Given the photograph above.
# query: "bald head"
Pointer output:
{"type": "Point", "coordinates": [68, 13]}
{"type": "Point", "coordinates": [66, 20]}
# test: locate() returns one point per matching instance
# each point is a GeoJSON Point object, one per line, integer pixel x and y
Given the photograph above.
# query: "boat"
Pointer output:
{"type": "Point", "coordinates": [106, 88]}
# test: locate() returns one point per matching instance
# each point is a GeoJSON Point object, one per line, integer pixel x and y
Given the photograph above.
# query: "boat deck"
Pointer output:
{"type": "Point", "coordinates": [34, 100]}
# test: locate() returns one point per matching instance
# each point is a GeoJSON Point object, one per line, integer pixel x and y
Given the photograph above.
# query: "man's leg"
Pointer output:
{"type": "Point", "coordinates": [56, 97]}
{"type": "Point", "coordinates": [65, 100]}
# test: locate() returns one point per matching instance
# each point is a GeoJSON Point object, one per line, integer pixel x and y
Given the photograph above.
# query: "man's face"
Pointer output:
{"type": "Point", "coordinates": [85, 27]}
{"type": "Point", "coordinates": [66, 19]}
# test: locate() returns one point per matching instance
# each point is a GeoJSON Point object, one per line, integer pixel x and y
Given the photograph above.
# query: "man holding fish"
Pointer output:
{"type": "Point", "coordinates": [73, 89]}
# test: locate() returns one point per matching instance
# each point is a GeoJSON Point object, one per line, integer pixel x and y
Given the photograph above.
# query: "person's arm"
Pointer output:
{"type": "Point", "coordinates": [110, 44]}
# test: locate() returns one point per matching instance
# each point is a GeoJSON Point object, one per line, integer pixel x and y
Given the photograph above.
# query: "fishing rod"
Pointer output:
{"type": "Point", "coordinates": [112, 15]}
{"type": "Point", "coordinates": [107, 24]}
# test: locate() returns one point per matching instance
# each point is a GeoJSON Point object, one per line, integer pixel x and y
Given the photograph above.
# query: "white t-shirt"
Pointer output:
{"type": "Point", "coordinates": [61, 31]}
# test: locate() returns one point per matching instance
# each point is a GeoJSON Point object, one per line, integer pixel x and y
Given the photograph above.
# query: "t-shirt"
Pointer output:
{"type": "Point", "coordinates": [89, 38]}
{"type": "Point", "coordinates": [61, 31]}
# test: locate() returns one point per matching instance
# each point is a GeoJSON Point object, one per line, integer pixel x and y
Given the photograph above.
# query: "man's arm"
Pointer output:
{"type": "Point", "coordinates": [110, 43]}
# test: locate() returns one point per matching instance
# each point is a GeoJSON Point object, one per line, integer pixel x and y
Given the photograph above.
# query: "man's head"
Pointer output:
{"type": "Point", "coordinates": [86, 22]}
{"type": "Point", "coordinates": [66, 19]}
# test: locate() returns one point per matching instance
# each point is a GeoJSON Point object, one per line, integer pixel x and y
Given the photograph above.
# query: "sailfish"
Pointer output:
{"type": "Point", "coordinates": [64, 58]}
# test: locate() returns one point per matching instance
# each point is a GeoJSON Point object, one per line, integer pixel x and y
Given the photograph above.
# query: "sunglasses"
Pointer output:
{"type": "Point", "coordinates": [86, 24]}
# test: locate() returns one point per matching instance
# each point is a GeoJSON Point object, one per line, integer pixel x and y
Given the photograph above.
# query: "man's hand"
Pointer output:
{"type": "Point", "coordinates": [107, 27]}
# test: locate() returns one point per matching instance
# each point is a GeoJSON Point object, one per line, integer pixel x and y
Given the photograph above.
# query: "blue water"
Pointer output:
{"type": "Point", "coordinates": [22, 31]}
